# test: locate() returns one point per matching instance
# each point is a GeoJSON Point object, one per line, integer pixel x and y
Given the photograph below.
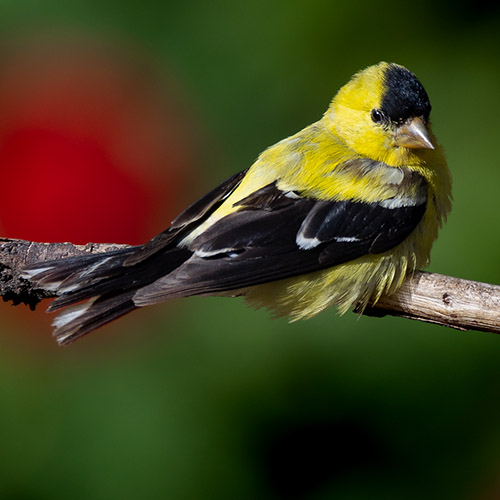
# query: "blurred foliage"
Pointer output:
{"type": "Point", "coordinates": [208, 399]}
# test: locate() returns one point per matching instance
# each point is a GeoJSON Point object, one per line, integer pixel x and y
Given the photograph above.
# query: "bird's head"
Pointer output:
{"type": "Point", "coordinates": [383, 113]}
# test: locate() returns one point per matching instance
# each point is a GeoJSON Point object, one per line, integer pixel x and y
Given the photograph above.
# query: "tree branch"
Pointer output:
{"type": "Point", "coordinates": [430, 297]}
{"type": "Point", "coordinates": [444, 300]}
{"type": "Point", "coordinates": [15, 254]}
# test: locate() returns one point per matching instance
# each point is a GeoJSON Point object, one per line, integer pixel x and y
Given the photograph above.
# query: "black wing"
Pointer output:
{"type": "Point", "coordinates": [277, 235]}
{"type": "Point", "coordinates": [195, 213]}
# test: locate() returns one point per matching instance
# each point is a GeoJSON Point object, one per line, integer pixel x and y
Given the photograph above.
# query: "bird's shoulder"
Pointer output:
{"type": "Point", "coordinates": [321, 166]}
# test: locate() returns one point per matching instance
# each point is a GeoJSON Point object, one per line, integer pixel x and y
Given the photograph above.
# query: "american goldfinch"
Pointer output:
{"type": "Point", "coordinates": [337, 214]}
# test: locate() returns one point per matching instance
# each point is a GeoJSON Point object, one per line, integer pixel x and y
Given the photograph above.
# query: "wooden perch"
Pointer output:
{"type": "Point", "coordinates": [430, 297]}
{"type": "Point", "coordinates": [444, 300]}
{"type": "Point", "coordinates": [15, 254]}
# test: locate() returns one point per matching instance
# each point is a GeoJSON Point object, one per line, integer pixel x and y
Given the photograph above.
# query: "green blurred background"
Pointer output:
{"type": "Point", "coordinates": [206, 399]}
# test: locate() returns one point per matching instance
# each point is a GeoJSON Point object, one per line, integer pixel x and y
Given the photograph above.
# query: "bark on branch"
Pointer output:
{"type": "Point", "coordinates": [15, 254]}
{"type": "Point", "coordinates": [430, 297]}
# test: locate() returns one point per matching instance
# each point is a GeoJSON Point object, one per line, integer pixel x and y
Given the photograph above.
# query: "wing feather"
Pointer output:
{"type": "Point", "coordinates": [274, 236]}
{"type": "Point", "coordinates": [194, 214]}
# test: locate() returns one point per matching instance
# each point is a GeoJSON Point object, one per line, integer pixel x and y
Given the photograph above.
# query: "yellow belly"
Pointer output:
{"type": "Point", "coordinates": [349, 285]}
{"type": "Point", "coordinates": [353, 284]}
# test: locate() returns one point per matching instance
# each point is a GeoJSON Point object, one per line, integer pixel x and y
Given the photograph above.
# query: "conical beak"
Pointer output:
{"type": "Point", "coordinates": [413, 134]}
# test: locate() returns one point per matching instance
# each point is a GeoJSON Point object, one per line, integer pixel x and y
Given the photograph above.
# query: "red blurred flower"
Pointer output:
{"type": "Point", "coordinates": [92, 146]}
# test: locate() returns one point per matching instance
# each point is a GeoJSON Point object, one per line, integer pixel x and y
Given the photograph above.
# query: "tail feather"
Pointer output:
{"type": "Point", "coordinates": [66, 275]}
{"type": "Point", "coordinates": [97, 288]}
{"type": "Point", "coordinates": [80, 319]}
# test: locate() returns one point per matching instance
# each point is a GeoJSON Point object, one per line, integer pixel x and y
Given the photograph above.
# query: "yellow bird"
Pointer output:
{"type": "Point", "coordinates": [337, 214]}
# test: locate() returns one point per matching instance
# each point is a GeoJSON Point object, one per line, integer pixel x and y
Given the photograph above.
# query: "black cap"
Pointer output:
{"type": "Point", "coordinates": [404, 97]}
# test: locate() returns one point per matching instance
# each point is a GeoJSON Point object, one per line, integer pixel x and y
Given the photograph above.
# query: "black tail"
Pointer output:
{"type": "Point", "coordinates": [99, 288]}
{"type": "Point", "coordinates": [80, 319]}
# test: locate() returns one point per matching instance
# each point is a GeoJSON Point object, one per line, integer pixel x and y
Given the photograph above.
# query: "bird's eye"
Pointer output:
{"type": "Point", "coordinates": [377, 116]}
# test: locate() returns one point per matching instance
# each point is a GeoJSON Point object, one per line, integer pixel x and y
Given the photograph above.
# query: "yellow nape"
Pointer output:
{"type": "Point", "coordinates": [349, 118]}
